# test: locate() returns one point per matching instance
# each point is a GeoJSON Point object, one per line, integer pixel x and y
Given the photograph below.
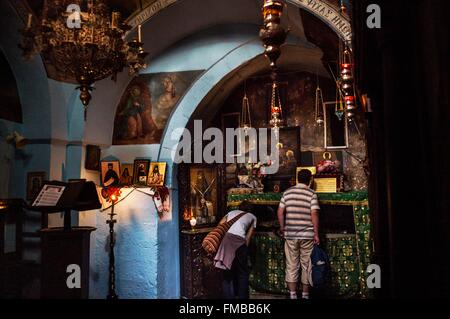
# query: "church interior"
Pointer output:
{"type": "Point", "coordinates": [110, 181]}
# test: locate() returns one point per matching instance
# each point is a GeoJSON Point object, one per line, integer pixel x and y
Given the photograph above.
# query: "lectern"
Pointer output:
{"type": "Point", "coordinates": [65, 250]}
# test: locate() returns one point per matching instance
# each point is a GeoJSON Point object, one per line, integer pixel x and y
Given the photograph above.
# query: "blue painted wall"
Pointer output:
{"type": "Point", "coordinates": [147, 249]}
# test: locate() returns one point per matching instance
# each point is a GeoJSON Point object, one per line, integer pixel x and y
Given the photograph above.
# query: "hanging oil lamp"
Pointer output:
{"type": "Point", "coordinates": [272, 34]}
{"type": "Point", "coordinates": [319, 106]}
{"type": "Point", "coordinates": [276, 110]}
{"type": "Point", "coordinates": [339, 108]}
{"type": "Point", "coordinates": [347, 83]}
{"type": "Point", "coordinates": [246, 121]}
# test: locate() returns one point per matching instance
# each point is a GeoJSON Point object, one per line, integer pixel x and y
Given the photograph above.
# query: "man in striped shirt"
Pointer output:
{"type": "Point", "coordinates": [298, 215]}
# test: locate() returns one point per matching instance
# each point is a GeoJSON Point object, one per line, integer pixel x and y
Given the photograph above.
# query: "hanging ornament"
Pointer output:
{"type": "Point", "coordinates": [272, 34]}
{"type": "Point", "coordinates": [347, 83]}
{"type": "Point", "coordinates": [339, 108]}
{"type": "Point", "coordinates": [319, 106]}
{"type": "Point", "coordinates": [246, 121]}
{"type": "Point", "coordinates": [276, 110]}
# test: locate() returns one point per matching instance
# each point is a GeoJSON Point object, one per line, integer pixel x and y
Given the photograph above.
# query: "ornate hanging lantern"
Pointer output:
{"type": "Point", "coordinates": [272, 34]}
{"type": "Point", "coordinates": [246, 120]}
{"type": "Point", "coordinates": [276, 110]}
{"type": "Point", "coordinates": [319, 106]}
{"type": "Point", "coordinates": [347, 83]}
{"type": "Point", "coordinates": [346, 80]}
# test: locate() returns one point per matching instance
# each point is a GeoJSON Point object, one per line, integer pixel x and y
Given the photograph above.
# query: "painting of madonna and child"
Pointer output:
{"type": "Point", "coordinates": [146, 105]}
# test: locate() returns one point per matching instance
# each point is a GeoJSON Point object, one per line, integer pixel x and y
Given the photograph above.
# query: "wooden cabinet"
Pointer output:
{"type": "Point", "coordinates": [201, 197]}
{"type": "Point", "coordinates": [61, 248]}
{"type": "Point", "coordinates": [199, 277]}
{"type": "Point", "coordinates": [11, 219]}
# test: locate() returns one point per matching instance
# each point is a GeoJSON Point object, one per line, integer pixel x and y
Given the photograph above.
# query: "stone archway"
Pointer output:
{"type": "Point", "coordinates": [325, 11]}
{"type": "Point", "coordinates": [198, 91]}
{"type": "Point", "coordinates": [329, 14]}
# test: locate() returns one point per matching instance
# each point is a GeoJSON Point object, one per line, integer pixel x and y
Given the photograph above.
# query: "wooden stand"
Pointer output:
{"type": "Point", "coordinates": [61, 248]}
{"type": "Point", "coordinates": [199, 278]}
{"type": "Point", "coordinates": [11, 219]}
{"type": "Point", "coordinates": [66, 246]}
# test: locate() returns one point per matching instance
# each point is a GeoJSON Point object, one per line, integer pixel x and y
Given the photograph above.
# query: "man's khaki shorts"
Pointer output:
{"type": "Point", "coordinates": [298, 253]}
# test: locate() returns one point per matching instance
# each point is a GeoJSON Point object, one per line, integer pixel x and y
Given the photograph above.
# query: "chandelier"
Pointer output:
{"type": "Point", "coordinates": [83, 42]}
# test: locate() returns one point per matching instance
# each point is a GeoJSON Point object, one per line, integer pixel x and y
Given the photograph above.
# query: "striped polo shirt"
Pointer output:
{"type": "Point", "coordinates": [298, 202]}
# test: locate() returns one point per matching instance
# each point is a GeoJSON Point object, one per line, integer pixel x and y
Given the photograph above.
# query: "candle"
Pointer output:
{"type": "Point", "coordinates": [139, 33]}
{"type": "Point", "coordinates": [114, 21]}
{"type": "Point", "coordinates": [193, 222]}
{"type": "Point", "coordinates": [30, 17]}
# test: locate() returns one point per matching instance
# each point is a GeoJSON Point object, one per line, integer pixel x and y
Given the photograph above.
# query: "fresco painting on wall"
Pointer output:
{"type": "Point", "coordinates": [146, 105]}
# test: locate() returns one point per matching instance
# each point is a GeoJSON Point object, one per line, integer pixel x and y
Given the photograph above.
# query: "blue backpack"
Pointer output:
{"type": "Point", "coordinates": [320, 267]}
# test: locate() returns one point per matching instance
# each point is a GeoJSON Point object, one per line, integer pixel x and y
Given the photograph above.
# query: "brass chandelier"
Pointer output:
{"type": "Point", "coordinates": [83, 42]}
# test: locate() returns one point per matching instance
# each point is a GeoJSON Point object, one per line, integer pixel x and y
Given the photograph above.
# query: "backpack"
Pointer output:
{"type": "Point", "coordinates": [320, 267]}
{"type": "Point", "coordinates": [212, 241]}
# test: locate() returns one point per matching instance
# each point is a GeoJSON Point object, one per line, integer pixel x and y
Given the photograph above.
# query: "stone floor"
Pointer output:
{"type": "Point", "coordinates": [257, 295]}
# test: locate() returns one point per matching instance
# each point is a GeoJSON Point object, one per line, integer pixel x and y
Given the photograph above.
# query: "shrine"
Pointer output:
{"type": "Point", "coordinates": [239, 149]}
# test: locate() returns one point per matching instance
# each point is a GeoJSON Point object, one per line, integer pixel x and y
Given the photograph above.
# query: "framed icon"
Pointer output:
{"type": "Point", "coordinates": [140, 171]}
{"type": "Point", "coordinates": [110, 173]}
{"type": "Point", "coordinates": [92, 161]}
{"type": "Point", "coordinates": [35, 181]}
{"type": "Point", "coordinates": [156, 174]}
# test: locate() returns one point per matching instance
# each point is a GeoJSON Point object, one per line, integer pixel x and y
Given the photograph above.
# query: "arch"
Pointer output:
{"type": "Point", "coordinates": [12, 108]}
{"type": "Point", "coordinates": [211, 77]}
{"type": "Point", "coordinates": [325, 11]}
{"type": "Point", "coordinates": [222, 77]}
{"type": "Point", "coordinates": [329, 14]}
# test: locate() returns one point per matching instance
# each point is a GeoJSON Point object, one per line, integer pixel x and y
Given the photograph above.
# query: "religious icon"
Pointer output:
{"type": "Point", "coordinates": [203, 195]}
{"type": "Point", "coordinates": [35, 182]}
{"type": "Point", "coordinates": [110, 173]}
{"type": "Point", "coordinates": [126, 176]}
{"type": "Point", "coordinates": [146, 105]}
{"type": "Point", "coordinates": [156, 174]}
{"type": "Point", "coordinates": [140, 171]}
{"type": "Point", "coordinates": [92, 161]}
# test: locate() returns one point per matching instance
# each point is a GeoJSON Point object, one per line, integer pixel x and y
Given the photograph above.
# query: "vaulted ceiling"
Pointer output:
{"type": "Point", "coordinates": [202, 14]}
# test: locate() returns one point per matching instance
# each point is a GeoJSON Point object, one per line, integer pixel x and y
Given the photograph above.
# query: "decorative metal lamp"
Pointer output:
{"type": "Point", "coordinates": [319, 106]}
{"type": "Point", "coordinates": [112, 195]}
{"type": "Point", "coordinates": [347, 83]}
{"type": "Point", "coordinates": [276, 109]}
{"type": "Point", "coordinates": [346, 77]}
{"type": "Point", "coordinates": [246, 119]}
{"type": "Point", "coordinates": [273, 36]}
{"type": "Point", "coordinates": [82, 42]}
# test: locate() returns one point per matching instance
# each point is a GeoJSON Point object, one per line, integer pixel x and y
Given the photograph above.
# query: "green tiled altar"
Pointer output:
{"type": "Point", "coordinates": [349, 253]}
